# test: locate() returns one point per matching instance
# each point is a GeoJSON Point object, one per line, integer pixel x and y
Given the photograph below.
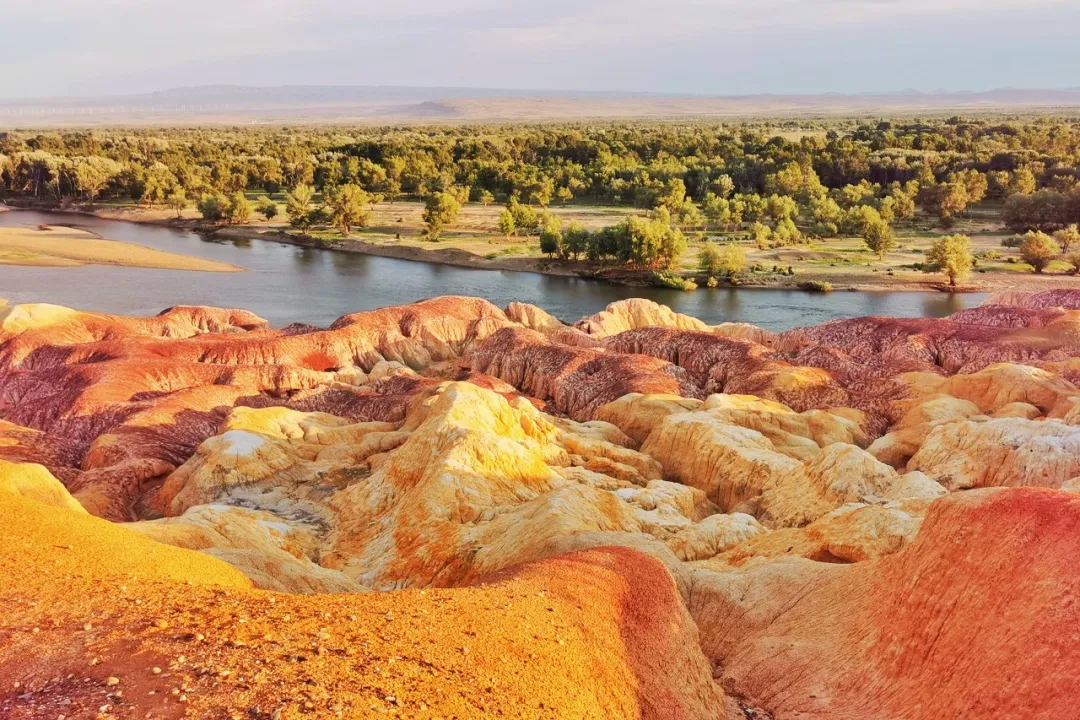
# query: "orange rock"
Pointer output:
{"type": "Point", "coordinates": [594, 635]}
{"type": "Point", "coordinates": [974, 619]}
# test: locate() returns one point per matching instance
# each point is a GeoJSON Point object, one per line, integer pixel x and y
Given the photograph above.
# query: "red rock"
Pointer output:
{"type": "Point", "coordinates": [575, 380]}
{"type": "Point", "coordinates": [976, 618]}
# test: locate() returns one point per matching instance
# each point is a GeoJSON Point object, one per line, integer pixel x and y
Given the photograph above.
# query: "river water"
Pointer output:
{"type": "Point", "coordinates": [285, 283]}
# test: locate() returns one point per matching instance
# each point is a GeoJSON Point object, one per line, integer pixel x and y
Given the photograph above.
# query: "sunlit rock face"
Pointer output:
{"type": "Point", "coordinates": [664, 475]}
{"type": "Point", "coordinates": [985, 585]}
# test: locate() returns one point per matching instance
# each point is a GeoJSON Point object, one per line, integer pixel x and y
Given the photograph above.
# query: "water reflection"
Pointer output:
{"type": "Point", "coordinates": [285, 283]}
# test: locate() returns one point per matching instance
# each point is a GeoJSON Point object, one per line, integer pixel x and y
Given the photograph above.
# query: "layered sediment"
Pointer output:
{"type": "Point", "coordinates": [452, 509]}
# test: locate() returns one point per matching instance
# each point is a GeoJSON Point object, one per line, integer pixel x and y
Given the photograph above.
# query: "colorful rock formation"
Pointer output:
{"type": "Point", "coordinates": [447, 509]}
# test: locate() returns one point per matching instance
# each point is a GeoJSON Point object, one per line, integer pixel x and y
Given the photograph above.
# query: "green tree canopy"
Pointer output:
{"type": "Point", "coordinates": [1038, 249]}
{"type": "Point", "coordinates": [951, 255]}
{"type": "Point", "coordinates": [348, 208]}
{"type": "Point", "coordinates": [440, 209]}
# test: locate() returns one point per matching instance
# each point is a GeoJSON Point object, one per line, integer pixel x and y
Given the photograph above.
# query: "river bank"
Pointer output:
{"type": "Point", "coordinates": [54, 246]}
{"type": "Point", "coordinates": [849, 277]}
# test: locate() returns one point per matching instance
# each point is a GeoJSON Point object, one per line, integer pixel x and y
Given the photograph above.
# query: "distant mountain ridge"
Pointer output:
{"type": "Point", "coordinates": [341, 103]}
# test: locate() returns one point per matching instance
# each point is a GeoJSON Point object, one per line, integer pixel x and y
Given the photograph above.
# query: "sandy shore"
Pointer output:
{"type": "Point", "coordinates": [71, 247]}
{"type": "Point", "coordinates": [849, 278]}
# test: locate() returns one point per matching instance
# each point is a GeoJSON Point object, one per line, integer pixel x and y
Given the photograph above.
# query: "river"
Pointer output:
{"type": "Point", "coordinates": [285, 283]}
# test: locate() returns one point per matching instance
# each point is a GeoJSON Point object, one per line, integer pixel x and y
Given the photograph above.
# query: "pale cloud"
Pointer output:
{"type": "Point", "coordinates": [677, 45]}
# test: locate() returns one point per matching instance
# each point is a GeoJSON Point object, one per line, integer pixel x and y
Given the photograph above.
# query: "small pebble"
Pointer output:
{"type": "Point", "coordinates": [112, 680]}
{"type": "Point", "coordinates": [156, 671]}
{"type": "Point", "coordinates": [87, 627]}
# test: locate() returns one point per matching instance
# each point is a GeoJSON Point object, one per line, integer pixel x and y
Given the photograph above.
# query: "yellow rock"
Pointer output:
{"type": "Point", "coordinates": [274, 553]}
{"type": "Point", "coordinates": [1006, 452]}
{"type": "Point", "coordinates": [35, 482]}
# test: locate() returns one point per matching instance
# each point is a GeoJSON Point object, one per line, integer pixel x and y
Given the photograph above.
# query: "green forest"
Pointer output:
{"type": "Point", "coordinates": [777, 183]}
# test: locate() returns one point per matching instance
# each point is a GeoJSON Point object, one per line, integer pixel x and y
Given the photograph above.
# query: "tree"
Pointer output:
{"type": "Point", "coordinates": [1023, 182]}
{"type": "Point", "coordinates": [551, 235]}
{"type": "Point", "coordinates": [542, 192]}
{"type": "Point", "coordinates": [267, 208]}
{"type": "Point", "coordinates": [177, 201]}
{"type": "Point", "coordinates": [946, 200]}
{"type": "Point", "coordinates": [648, 242]}
{"type": "Point", "coordinates": [781, 207]}
{"type": "Point", "coordinates": [998, 182]}
{"type": "Point", "coordinates": [575, 240]}
{"type": "Point", "coordinates": [1068, 237]}
{"type": "Point", "coordinates": [879, 237]}
{"type": "Point", "coordinates": [507, 226]}
{"type": "Point", "coordinates": [440, 210]}
{"type": "Point", "coordinates": [732, 260]}
{"type": "Point", "coordinates": [486, 198]}
{"type": "Point", "coordinates": [762, 234]}
{"type": "Point", "coordinates": [348, 207]}
{"type": "Point", "coordinates": [974, 182]}
{"type": "Point", "coordinates": [157, 182]}
{"type": "Point", "coordinates": [239, 209]}
{"type": "Point", "coordinates": [213, 207]}
{"type": "Point", "coordinates": [564, 194]}
{"type": "Point", "coordinates": [1037, 249]}
{"type": "Point", "coordinates": [298, 206]}
{"type": "Point", "coordinates": [525, 218]}
{"type": "Point", "coordinates": [786, 233]}
{"type": "Point", "coordinates": [1074, 260]}
{"type": "Point", "coordinates": [827, 216]}
{"type": "Point", "coordinates": [723, 186]}
{"type": "Point", "coordinates": [93, 173]}
{"type": "Point", "coordinates": [951, 255]}
{"type": "Point", "coordinates": [709, 259]}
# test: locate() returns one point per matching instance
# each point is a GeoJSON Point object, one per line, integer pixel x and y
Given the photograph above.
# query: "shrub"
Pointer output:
{"type": "Point", "coordinates": [709, 259]}
{"type": "Point", "coordinates": [668, 279]}
{"type": "Point", "coordinates": [267, 208]}
{"type": "Point", "coordinates": [212, 207]}
{"type": "Point", "coordinates": [1074, 260]}
{"type": "Point", "coordinates": [815, 286]}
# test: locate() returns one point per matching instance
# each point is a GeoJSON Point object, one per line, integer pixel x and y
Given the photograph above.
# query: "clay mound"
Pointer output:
{"type": "Point", "coordinates": [1069, 299]}
{"type": "Point", "coordinates": [1014, 317]}
{"type": "Point", "coordinates": [739, 367]}
{"type": "Point", "coordinates": [953, 346]}
{"type": "Point", "coordinates": [121, 402]}
{"type": "Point", "coordinates": [575, 380]}
{"type": "Point", "coordinates": [439, 477]}
{"type": "Point", "coordinates": [974, 619]}
{"type": "Point", "coordinates": [100, 621]}
{"type": "Point", "coordinates": [637, 313]}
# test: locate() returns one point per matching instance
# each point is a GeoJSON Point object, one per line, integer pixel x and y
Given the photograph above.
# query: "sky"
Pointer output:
{"type": "Point", "coordinates": [712, 47]}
